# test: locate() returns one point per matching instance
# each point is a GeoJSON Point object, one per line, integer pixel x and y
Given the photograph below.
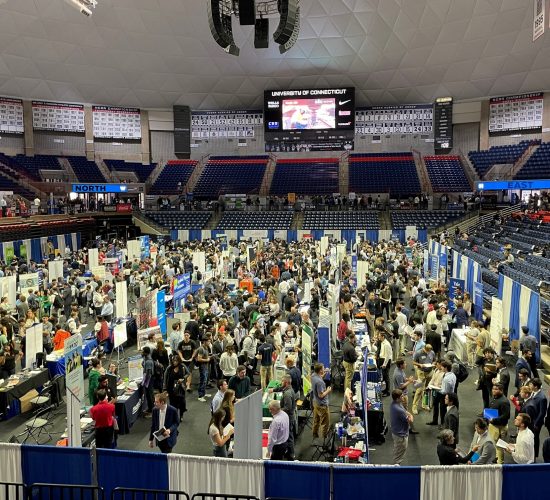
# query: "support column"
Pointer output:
{"type": "Point", "coordinates": [89, 133]}
{"type": "Point", "coordinates": [145, 138]}
{"type": "Point", "coordinates": [484, 126]}
{"type": "Point", "coordinates": [29, 131]}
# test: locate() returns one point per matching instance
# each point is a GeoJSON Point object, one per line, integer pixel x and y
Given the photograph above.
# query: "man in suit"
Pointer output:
{"type": "Point", "coordinates": [164, 417]}
{"type": "Point", "coordinates": [503, 376]}
{"type": "Point", "coordinates": [541, 406]}
{"type": "Point", "coordinates": [451, 420]}
{"type": "Point", "coordinates": [522, 363]}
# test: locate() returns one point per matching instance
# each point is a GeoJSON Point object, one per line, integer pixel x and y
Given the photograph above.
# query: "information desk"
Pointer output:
{"type": "Point", "coordinates": [128, 409]}
{"type": "Point", "coordinates": [55, 361]}
{"type": "Point", "coordinates": [458, 343]}
{"type": "Point", "coordinates": [8, 395]}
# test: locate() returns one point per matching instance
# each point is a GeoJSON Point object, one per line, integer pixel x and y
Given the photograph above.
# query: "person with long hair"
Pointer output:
{"type": "Point", "coordinates": [228, 405]}
{"type": "Point", "coordinates": [175, 383]}
{"type": "Point", "coordinates": [215, 431]}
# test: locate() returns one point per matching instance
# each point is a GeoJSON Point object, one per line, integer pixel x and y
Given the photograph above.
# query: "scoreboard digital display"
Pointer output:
{"type": "Point", "coordinates": [309, 118]}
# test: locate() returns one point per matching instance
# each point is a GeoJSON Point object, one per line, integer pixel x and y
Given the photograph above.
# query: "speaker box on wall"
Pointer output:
{"type": "Point", "coordinates": [247, 12]}
{"type": "Point", "coordinates": [261, 33]}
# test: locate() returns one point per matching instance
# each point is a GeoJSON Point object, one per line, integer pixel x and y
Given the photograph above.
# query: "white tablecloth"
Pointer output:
{"type": "Point", "coordinates": [458, 343]}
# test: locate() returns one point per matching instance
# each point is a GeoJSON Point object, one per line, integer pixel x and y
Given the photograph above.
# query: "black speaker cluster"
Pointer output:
{"type": "Point", "coordinates": [220, 22]}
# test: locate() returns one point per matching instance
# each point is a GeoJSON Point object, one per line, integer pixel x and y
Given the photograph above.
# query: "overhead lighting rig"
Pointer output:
{"type": "Point", "coordinates": [254, 13]}
{"type": "Point", "coordinates": [84, 6]}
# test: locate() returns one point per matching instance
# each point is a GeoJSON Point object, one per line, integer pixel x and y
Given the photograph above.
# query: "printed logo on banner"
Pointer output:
{"type": "Point", "coordinates": [182, 288]}
{"type": "Point", "coordinates": [456, 291]}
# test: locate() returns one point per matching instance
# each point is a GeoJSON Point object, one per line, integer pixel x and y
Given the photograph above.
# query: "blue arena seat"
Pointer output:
{"type": "Point", "coordinates": [30, 166]}
{"type": "Point", "coordinates": [142, 171]}
{"type": "Point", "coordinates": [447, 174]}
{"type": "Point", "coordinates": [538, 165]}
{"type": "Point", "coordinates": [86, 170]}
{"type": "Point", "coordinates": [484, 160]}
{"type": "Point", "coordinates": [306, 176]}
{"type": "Point", "coordinates": [341, 220]}
{"type": "Point", "coordinates": [423, 218]}
{"type": "Point", "coordinates": [180, 220]}
{"type": "Point", "coordinates": [256, 220]}
{"type": "Point", "coordinates": [175, 173]}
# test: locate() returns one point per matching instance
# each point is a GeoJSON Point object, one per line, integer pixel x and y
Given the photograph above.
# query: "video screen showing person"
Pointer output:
{"type": "Point", "coordinates": [309, 114]}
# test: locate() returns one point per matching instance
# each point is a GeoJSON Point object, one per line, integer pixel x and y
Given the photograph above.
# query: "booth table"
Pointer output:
{"type": "Point", "coordinates": [8, 395]}
{"type": "Point", "coordinates": [458, 343]}
{"type": "Point", "coordinates": [127, 408]}
{"type": "Point", "coordinates": [57, 366]}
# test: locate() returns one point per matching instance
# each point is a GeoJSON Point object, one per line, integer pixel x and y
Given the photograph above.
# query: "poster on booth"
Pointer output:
{"type": "Point", "coordinates": [93, 258]}
{"type": "Point", "coordinates": [478, 300]}
{"type": "Point", "coordinates": [426, 264]}
{"type": "Point", "coordinates": [135, 367]}
{"type": "Point", "coordinates": [112, 266]}
{"type": "Point", "coordinates": [74, 381]}
{"type": "Point", "coordinates": [353, 280]}
{"type": "Point", "coordinates": [161, 312]}
{"type": "Point", "coordinates": [434, 268]}
{"type": "Point", "coordinates": [443, 268]}
{"type": "Point", "coordinates": [307, 339]}
{"type": "Point", "coordinates": [145, 247]}
{"type": "Point", "coordinates": [143, 335]}
{"type": "Point", "coordinates": [9, 255]}
{"type": "Point", "coordinates": [55, 269]}
{"type": "Point", "coordinates": [456, 291]}
{"type": "Point", "coordinates": [8, 288]}
{"type": "Point", "coordinates": [98, 272]}
{"type": "Point", "coordinates": [28, 282]}
{"type": "Point", "coordinates": [182, 288]}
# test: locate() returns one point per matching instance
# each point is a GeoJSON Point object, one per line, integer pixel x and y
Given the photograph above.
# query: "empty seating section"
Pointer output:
{"type": "Point", "coordinates": [86, 170]}
{"type": "Point", "coordinates": [7, 184]}
{"type": "Point", "coordinates": [383, 172]}
{"type": "Point", "coordinates": [256, 220]}
{"type": "Point", "coordinates": [447, 174]}
{"type": "Point", "coordinates": [341, 220]}
{"type": "Point", "coordinates": [307, 176]}
{"type": "Point", "coordinates": [423, 218]}
{"type": "Point", "coordinates": [230, 175]}
{"type": "Point", "coordinates": [538, 165]}
{"type": "Point", "coordinates": [483, 161]}
{"type": "Point", "coordinates": [31, 165]}
{"type": "Point", "coordinates": [173, 177]}
{"type": "Point", "coordinates": [142, 171]}
{"type": "Point", "coordinates": [180, 220]}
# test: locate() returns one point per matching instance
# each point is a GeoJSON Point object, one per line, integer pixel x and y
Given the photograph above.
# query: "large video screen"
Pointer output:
{"type": "Point", "coordinates": [309, 114]}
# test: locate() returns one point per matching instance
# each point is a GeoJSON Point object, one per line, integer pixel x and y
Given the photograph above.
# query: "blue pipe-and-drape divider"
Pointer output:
{"type": "Point", "coordinates": [34, 246]}
{"type": "Point", "coordinates": [286, 480]}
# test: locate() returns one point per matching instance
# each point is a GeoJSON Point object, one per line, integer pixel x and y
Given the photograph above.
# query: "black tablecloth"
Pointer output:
{"type": "Point", "coordinates": [128, 408]}
{"type": "Point", "coordinates": [24, 386]}
{"type": "Point", "coordinates": [377, 426]}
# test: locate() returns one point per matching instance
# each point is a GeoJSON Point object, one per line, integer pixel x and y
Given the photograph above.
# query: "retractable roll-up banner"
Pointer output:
{"type": "Point", "coordinates": [307, 343]}
{"type": "Point", "coordinates": [121, 299]}
{"type": "Point", "coordinates": [74, 381]}
{"type": "Point", "coordinates": [456, 289]}
{"type": "Point", "coordinates": [478, 301]}
{"type": "Point", "coordinates": [93, 258]}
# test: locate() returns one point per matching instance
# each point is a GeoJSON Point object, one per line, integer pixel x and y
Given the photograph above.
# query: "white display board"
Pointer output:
{"type": "Point", "coordinates": [496, 324]}
{"type": "Point", "coordinates": [248, 427]}
{"type": "Point", "coordinates": [55, 269]}
{"type": "Point", "coordinates": [135, 367]}
{"type": "Point", "coordinates": [119, 334]}
{"type": "Point", "coordinates": [99, 272]}
{"type": "Point", "coordinates": [93, 258]}
{"type": "Point", "coordinates": [134, 250]}
{"type": "Point", "coordinates": [28, 282]}
{"type": "Point", "coordinates": [11, 115]}
{"type": "Point", "coordinates": [121, 299]}
{"type": "Point", "coordinates": [199, 260]}
{"type": "Point", "coordinates": [34, 343]}
{"type": "Point", "coordinates": [57, 116]}
{"type": "Point", "coordinates": [116, 123]}
{"type": "Point", "coordinates": [8, 288]}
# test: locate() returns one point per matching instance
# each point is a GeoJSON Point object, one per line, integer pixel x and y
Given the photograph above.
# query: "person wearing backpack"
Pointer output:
{"type": "Point", "coordinates": [458, 368]}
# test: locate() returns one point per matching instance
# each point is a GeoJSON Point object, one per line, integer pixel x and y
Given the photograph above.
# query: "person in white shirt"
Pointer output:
{"type": "Point", "coordinates": [523, 452]}
{"type": "Point", "coordinates": [384, 361]}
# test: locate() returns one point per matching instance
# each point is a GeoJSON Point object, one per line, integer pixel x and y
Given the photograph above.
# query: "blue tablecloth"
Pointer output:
{"type": "Point", "coordinates": [58, 367]}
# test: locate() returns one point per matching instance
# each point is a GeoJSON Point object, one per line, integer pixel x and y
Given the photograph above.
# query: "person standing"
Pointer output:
{"type": "Point", "coordinates": [217, 436]}
{"type": "Point", "coordinates": [165, 419]}
{"type": "Point", "coordinates": [482, 445]}
{"type": "Point", "coordinates": [187, 350]}
{"type": "Point", "coordinates": [541, 404]}
{"type": "Point", "coordinates": [423, 363]}
{"type": "Point", "coordinates": [400, 421]}
{"type": "Point", "coordinates": [240, 383]}
{"type": "Point", "coordinates": [321, 415]}
{"type": "Point", "coordinates": [103, 414]}
{"type": "Point", "coordinates": [288, 405]}
{"type": "Point", "coordinates": [216, 403]}
{"type": "Point", "coordinates": [147, 380]}
{"type": "Point", "coordinates": [279, 431]}
{"type": "Point", "coordinates": [264, 355]}
{"type": "Point", "coordinates": [202, 360]}
{"type": "Point", "coordinates": [529, 343]}
{"type": "Point", "coordinates": [498, 426]}
{"type": "Point", "coordinates": [523, 452]}
{"type": "Point", "coordinates": [448, 383]}
{"type": "Point", "coordinates": [503, 376]}
{"type": "Point", "coordinates": [452, 419]}
{"type": "Point", "coordinates": [384, 362]}
{"type": "Point", "coordinates": [174, 384]}
{"type": "Point", "coordinates": [446, 448]}
{"type": "Point", "coordinates": [349, 359]}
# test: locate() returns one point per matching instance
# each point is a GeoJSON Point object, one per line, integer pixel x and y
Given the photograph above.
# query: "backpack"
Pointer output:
{"type": "Point", "coordinates": [33, 304]}
{"type": "Point", "coordinates": [199, 276]}
{"type": "Point", "coordinates": [462, 374]}
{"type": "Point", "coordinates": [158, 370]}
{"type": "Point", "coordinates": [58, 302]}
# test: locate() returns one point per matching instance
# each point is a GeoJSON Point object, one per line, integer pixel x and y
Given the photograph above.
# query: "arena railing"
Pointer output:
{"type": "Point", "coordinates": [147, 494]}
{"type": "Point", "coordinates": [48, 491]}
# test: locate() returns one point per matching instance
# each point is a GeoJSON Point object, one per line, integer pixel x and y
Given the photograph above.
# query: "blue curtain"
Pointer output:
{"type": "Point", "coordinates": [348, 481]}
{"type": "Point", "coordinates": [16, 248]}
{"type": "Point", "coordinates": [47, 464]}
{"type": "Point", "coordinates": [240, 234]}
{"type": "Point", "coordinates": [423, 235]}
{"type": "Point", "coordinates": [131, 469]}
{"type": "Point", "coordinates": [525, 482]}
{"type": "Point", "coordinates": [317, 234]}
{"type": "Point", "coordinates": [69, 241]}
{"type": "Point", "coordinates": [500, 286]}
{"type": "Point", "coordinates": [216, 232]}
{"type": "Point", "coordinates": [514, 311]}
{"type": "Point", "coordinates": [323, 345]}
{"type": "Point", "coordinates": [36, 250]}
{"type": "Point", "coordinates": [349, 235]}
{"type": "Point", "coordinates": [174, 234]}
{"type": "Point", "coordinates": [399, 234]}
{"type": "Point", "coordinates": [470, 278]}
{"type": "Point", "coordinates": [291, 235]}
{"type": "Point", "coordinates": [195, 234]}
{"type": "Point", "coordinates": [271, 234]}
{"type": "Point", "coordinates": [78, 240]}
{"type": "Point", "coordinates": [372, 235]}
{"type": "Point", "coordinates": [533, 321]}
{"type": "Point", "coordinates": [297, 481]}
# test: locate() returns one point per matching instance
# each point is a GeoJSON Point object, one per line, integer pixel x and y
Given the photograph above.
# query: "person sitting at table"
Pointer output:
{"type": "Point", "coordinates": [59, 338]}
{"type": "Point", "coordinates": [103, 382]}
{"type": "Point", "coordinates": [103, 413]}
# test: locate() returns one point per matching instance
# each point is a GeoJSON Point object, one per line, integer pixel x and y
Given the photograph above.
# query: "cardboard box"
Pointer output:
{"type": "Point", "coordinates": [25, 400]}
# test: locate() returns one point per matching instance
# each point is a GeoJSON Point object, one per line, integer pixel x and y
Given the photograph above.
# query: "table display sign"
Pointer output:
{"type": "Point", "coordinates": [112, 122]}
{"type": "Point", "coordinates": [11, 115]}
{"type": "Point", "coordinates": [57, 116]}
{"type": "Point", "coordinates": [515, 113]}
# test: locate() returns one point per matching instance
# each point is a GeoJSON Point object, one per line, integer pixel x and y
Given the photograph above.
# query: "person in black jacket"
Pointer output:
{"type": "Point", "coordinates": [451, 420]}
{"type": "Point", "coordinates": [498, 426]}
{"type": "Point", "coordinates": [445, 449]}
{"type": "Point", "coordinates": [434, 339]}
{"type": "Point", "coordinates": [349, 359]}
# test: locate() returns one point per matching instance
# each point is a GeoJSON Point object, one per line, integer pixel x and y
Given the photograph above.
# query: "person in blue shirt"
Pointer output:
{"type": "Point", "coordinates": [400, 421]}
{"type": "Point", "coordinates": [460, 316]}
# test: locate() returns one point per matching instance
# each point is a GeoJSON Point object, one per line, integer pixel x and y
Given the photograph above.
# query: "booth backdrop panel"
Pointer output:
{"type": "Point", "coordinates": [11, 470]}
{"type": "Point", "coordinates": [348, 480]}
{"type": "Point", "coordinates": [131, 469]}
{"type": "Point", "coordinates": [526, 482]}
{"type": "Point", "coordinates": [215, 475]}
{"type": "Point", "coordinates": [48, 464]}
{"type": "Point", "coordinates": [297, 481]}
{"type": "Point", "coordinates": [463, 481]}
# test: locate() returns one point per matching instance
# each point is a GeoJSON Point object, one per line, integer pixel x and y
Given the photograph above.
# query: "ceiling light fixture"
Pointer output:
{"type": "Point", "coordinates": [256, 13]}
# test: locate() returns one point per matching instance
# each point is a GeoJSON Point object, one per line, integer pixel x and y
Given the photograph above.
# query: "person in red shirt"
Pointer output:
{"type": "Point", "coordinates": [103, 414]}
{"type": "Point", "coordinates": [102, 330]}
{"type": "Point", "coordinates": [342, 329]}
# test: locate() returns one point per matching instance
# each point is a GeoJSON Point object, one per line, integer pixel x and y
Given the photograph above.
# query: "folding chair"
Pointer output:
{"type": "Point", "coordinates": [325, 450]}
{"type": "Point", "coordinates": [304, 408]}
{"type": "Point", "coordinates": [38, 426]}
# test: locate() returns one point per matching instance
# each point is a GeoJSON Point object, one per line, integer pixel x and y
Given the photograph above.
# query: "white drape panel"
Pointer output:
{"type": "Point", "coordinates": [278, 233]}
{"type": "Point", "coordinates": [464, 268]}
{"type": "Point", "coordinates": [506, 301]}
{"type": "Point", "coordinates": [74, 242]}
{"type": "Point", "coordinates": [215, 475]}
{"type": "Point", "coordinates": [12, 468]}
{"type": "Point", "coordinates": [183, 234]}
{"type": "Point", "coordinates": [206, 234]}
{"type": "Point", "coordinates": [383, 234]}
{"type": "Point", "coordinates": [61, 243]}
{"type": "Point", "coordinates": [463, 481]}
{"type": "Point", "coordinates": [27, 244]}
{"type": "Point", "coordinates": [232, 234]}
{"type": "Point", "coordinates": [456, 257]}
{"type": "Point", "coordinates": [524, 304]}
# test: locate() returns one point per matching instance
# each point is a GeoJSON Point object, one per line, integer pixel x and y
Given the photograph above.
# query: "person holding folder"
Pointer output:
{"type": "Point", "coordinates": [482, 449]}
{"type": "Point", "coordinates": [498, 419]}
{"type": "Point", "coordinates": [164, 424]}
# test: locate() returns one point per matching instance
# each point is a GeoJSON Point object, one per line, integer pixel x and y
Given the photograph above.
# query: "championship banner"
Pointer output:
{"type": "Point", "coordinates": [57, 116]}
{"type": "Point", "coordinates": [307, 340]}
{"type": "Point", "coordinates": [478, 300]}
{"type": "Point", "coordinates": [111, 122]}
{"type": "Point", "coordinates": [539, 9]}
{"type": "Point", "coordinates": [182, 288]}
{"type": "Point", "coordinates": [11, 115]}
{"type": "Point", "coordinates": [28, 282]}
{"type": "Point", "coordinates": [456, 290]}
{"type": "Point", "coordinates": [74, 380]}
